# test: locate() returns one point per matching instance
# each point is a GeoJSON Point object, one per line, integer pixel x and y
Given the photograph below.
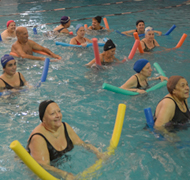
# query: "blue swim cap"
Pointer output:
{"type": "Point", "coordinates": [78, 26]}
{"type": "Point", "coordinates": [5, 59]}
{"type": "Point", "coordinates": [138, 66]}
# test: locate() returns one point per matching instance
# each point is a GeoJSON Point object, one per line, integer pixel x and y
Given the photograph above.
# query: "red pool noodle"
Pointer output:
{"type": "Point", "coordinates": [96, 51]}
{"type": "Point", "coordinates": [133, 50]}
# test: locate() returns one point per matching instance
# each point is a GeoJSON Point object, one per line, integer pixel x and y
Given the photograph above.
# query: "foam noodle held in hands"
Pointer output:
{"type": "Point", "coordinates": [96, 51]}
{"type": "Point", "coordinates": [136, 36]}
{"type": "Point", "coordinates": [133, 50]}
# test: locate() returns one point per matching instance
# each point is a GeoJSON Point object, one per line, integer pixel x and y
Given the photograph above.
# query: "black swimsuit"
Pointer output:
{"type": "Point", "coordinates": [139, 86]}
{"type": "Point", "coordinates": [146, 49]}
{"type": "Point", "coordinates": [8, 86]}
{"type": "Point", "coordinates": [99, 29]}
{"type": "Point", "coordinates": [53, 153]}
{"type": "Point", "coordinates": [60, 30]}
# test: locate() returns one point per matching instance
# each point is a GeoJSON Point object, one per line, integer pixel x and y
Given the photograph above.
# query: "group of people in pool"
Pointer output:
{"type": "Point", "coordinates": [52, 138]}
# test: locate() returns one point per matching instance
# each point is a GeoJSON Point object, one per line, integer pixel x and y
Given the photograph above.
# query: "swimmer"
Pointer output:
{"type": "Point", "coordinates": [139, 81]}
{"type": "Point", "coordinates": [140, 29]}
{"type": "Point", "coordinates": [52, 139]}
{"type": "Point", "coordinates": [108, 55]}
{"type": "Point", "coordinates": [65, 23]}
{"type": "Point", "coordinates": [149, 43]}
{"type": "Point", "coordinates": [96, 23]}
{"type": "Point", "coordinates": [10, 79]}
{"type": "Point", "coordinates": [10, 32]}
{"type": "Point", "coordinates": [80, 39]}
{"type": "Point", "coordinates": [173, 111]}
{"type": "Point", "coordinates": [24, 46]}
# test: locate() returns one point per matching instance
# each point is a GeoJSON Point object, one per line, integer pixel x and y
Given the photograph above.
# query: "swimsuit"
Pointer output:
{"type": "Point", "coordinates": [101, 27]}
{"type": "Point", "coordinates": [179, 118]}
{"type": "Point", "coordinates": [139, 86]}
{"type": "Point", "coordinates": [146, 49]}
{"type": "Point", "coordinates": [53, 153]}
{"type": "Point", "coordinates": [78, 43]}
{"type": "Point", "coordinates": [105, 63]}
{"type": "Point", "coordinates": [60, 30]}
{"type": "Point", "coordinates": [8, 86]}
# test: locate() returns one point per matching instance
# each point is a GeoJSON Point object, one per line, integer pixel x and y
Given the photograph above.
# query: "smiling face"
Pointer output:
{"type": "Point", "coordinates": [10, 67]}
{"type": "Point", "coordinates": [81, 32]}
{"type": "Point", "coordinates": [95, 23]}
{"type": "Point", "coordinates": [181, 89]}
{"type": "Point", "coordinates": [147, 70]}
{"type": "Point", "coordinates": [52, 116]}
{"type": "Point", "coordinates": [12, 27]}
{"type": "Point", "coordinates": [149, 35]}
{"type": "Point", "coordinates": [140, 27]}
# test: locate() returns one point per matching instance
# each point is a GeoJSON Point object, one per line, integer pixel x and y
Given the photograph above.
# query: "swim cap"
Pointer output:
{"type": "Point", "coordinates": [148, 29]}
{"type": "Point", "coordinates": [8, 22]}
{"type": "Point", "coordinates": [109, 45]}
{"type": "Point", "coordinates": [138, 66]}
{"type": "Point", "coordinates": [139, 22]}
{"type": "Point", "coordinates": [98, 18]}
{"type": "Point", "coordinates": [42, 108]}
{"type": "Point", "coordinates": [172, 82]}
{"type": "Point", "coordinates": [5, 59]}
{"type": "Point", "coordinates": [64, 19]}
{"type": "Point", "coordinates": [78, 26]}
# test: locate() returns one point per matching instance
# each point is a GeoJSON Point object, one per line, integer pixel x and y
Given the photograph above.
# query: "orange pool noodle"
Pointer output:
{"type": "Point", "coordinates": [136, 36]}
{"type": "Point", "coordinates": [96, 51]}
{"type": "Point", "coordinates": [86, 26]}
{"type": "Point", "coordinates": [181, 40]}
{"type": "Point", "coordinates": [133, 50]}
{"type": "Point", "coordinates": [106, 23]}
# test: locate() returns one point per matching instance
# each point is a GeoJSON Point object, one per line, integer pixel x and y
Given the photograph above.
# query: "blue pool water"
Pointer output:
{"type": "Point", "coordinates": [89, 109]}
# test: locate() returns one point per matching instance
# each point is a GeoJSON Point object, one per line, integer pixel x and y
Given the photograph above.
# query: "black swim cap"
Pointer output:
{"type": "Point", "coordinates": [42, 108]}
{"type": "Point", "coordinates": [98, 18]}
{"type": "Point", "coordinates": [109, 45]}
{"type": "Point", "coordinates": [139, 22]}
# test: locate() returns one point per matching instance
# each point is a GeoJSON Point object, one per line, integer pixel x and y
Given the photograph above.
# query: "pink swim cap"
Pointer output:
{"type": "Point", "coordinates": [8, 22]}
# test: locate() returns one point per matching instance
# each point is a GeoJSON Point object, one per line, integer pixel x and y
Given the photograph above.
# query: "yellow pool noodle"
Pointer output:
{"type": "Point", "coordinates": [113, 142]}
{"type": "Point", "coordinates": [30, 162]}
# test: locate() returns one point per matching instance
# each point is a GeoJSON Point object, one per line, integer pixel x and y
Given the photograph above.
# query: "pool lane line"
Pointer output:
{"type": "Point", "coordinates": [105, 4]}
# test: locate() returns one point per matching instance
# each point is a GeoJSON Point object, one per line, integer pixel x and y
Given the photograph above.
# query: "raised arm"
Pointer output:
{"type": "Point", "coordinates": [128, 33]}
{"type": "Point", "coordinates": [158, 32]}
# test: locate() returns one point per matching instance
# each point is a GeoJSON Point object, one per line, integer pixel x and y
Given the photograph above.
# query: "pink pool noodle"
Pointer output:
{"type": "Point", "coordinates": [96, 51]}
{"type": "Point", "coordinates": [133, 50]}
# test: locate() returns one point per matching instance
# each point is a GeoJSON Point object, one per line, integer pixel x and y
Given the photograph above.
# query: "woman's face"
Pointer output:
{"type": "Point", "coordinates": [68, 24]}
{"type": "Point", "coordinates": [150, 35]}
{"type": "Point", "coordinates": [95, 23]}
{"type": "Point", "coordinates": [81, 32]}
{"type": "Point", "coordinates": [12, 26]}
{"type": "Point", "coordinates": [182, 89]}
{"type": "Point", "coordinates": [140, 27]}
{"type": "Point", "coordinates": [147, 70]}
{"type": "Point", "coordinates": [10, 67]}
{"type": "Point", "coordinates": [52, 116]}
{"type": "Point", "coordinates": [111, 52]}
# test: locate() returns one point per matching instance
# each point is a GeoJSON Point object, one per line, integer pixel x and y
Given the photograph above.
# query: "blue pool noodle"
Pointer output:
{"type": "Point", "coordinates": [35, 31]}
{"type": "Point", "coordinates": [149, 118]}
{"type": "Point", "coordinates": [72, 45]}
{"type": "Point", "coordinates": [45, 70]}
{"type": "Point", "coordinates": [0, 38]}
{"type": "Point", "coordinates": [170, 30]}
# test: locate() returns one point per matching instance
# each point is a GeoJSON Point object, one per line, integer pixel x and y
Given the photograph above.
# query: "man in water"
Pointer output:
{"type": "Point", "coordinates": [24, 46]}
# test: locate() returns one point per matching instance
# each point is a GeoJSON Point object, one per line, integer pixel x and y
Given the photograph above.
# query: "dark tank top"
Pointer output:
{"type": "Point", "coordinates": [146, 49]}
{"type": "Point", "coordinates": [8, 86]}
{"type": "Point", "coordinates": [53, 153]}
{"type": "Point", "coordinates": [139, 86]}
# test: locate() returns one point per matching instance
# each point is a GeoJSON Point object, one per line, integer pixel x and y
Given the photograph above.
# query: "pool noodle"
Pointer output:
{"type": "Point", "coordinates": [30, 162]}
{"type": "Point", "coordinates": [106, 23]}
{"type": "Point", "coordinates": [0, 38]}
{"type": "Point", "coordinates": [86, 26]}
{"type": "Point", "coordinates": [170, 30]}
{"type": "Point", "coordinates": [127, 92]}
{"type": "Point", "coordinates": [45, 70]}
{"type": "Point", "coordinates": [149, 118]}
{"type": "Point", "coordinates": [113, 142]}
{"type": "Point", "coordinates": [136, 36]}
{"type": "Point", "coordinates": [72, 45]}
{"type": "Point", "coordinates": [96, 51]}
{"type": "Point", "coordinates": [133, 50]}
{"type": "Point", "coordinates": [35, 30]}
{"type": "Point", "coordinates": [181, 40]}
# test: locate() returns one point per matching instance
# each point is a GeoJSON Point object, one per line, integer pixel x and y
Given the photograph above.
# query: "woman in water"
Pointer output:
{"type": "Point", "coordinates": [149, 43]}
{"type": "Point", "coordinates": [10, 79]}
{"type": "Point", "coordinates": [65, 23]}
{"type": "Point", "coordinates": [10, 32]}
{"type": "Point", "coordinates": [80, 39]}
{"type": "Point", "coordinates": [52, 139]}
{"type": "Point", "coordinates": [139, 81]}
{"type": "Point", "coordinates": [108, 56]}
{"type": "Point", "coordinates": [96, 23]}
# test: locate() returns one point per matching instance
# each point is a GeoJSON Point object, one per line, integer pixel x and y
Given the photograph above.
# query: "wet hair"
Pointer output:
{"type": "Point", "coordinates": [172, 82]}
{"type": "Point", "coordinates": [139, 22]}
{"type": "Point", "coordinates": [42, 108]}
{"type": "Point", "coordinates": [139, 65]}
{"type": "Point", "coordinates": [98, 18]}
{"type": "Point", "coordinates": [109, 45]}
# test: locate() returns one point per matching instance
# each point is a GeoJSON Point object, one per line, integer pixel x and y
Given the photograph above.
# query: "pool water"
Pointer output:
{"type": "Point", "coordinates": [89, 109]}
